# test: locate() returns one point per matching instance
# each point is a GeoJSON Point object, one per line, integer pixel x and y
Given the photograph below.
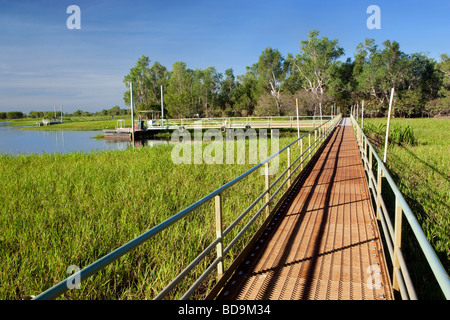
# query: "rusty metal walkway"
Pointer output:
{"type": "Point", "coordinates": [323, 242]}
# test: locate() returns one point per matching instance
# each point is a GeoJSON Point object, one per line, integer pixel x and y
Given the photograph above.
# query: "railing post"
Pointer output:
{"type": "Point", "coordinates": [366, 160]}
{"type": "Point", "coordinates": [219, 247]}
{"type": "Point", "coordinates": [379, 184]}
{"type": "Point", "coordinates": [289, 166]}
{"type": "Point", "coordinates": [315, 141]}
{"type": "Point", "coordinates": [320, 134]}
{"type": "Point", "coordinates": [266, 178]}
{"type": "Point", "coordinates": [397, 241]}
{"type": "Point", "coordinates": [301, 153]}
{"type": "Point", "coordinates": [363, 144]}
{"type": "Point", "coordinates": [309, 153]}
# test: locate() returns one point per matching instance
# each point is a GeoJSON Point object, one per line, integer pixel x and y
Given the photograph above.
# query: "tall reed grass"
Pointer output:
{"type": "Point", "coordinates": [418, 159]}
{"type": "Point", "coordinates": [58, 210]}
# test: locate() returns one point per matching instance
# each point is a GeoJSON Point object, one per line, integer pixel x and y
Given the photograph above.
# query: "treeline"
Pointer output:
{"type": "Point", "coordinates": [313, 75]}
{"type": "Point", "coordinates": [114, 111]}
{"type": "Point", "coordinates": [12, 115]}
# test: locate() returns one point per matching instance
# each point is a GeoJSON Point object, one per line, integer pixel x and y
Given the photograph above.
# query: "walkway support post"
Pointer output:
{"type": "Point", "coordinates": [219, 228]}
{"type": "Point", "coordinates": [309, 148]}
{"type": "Point", "coordinates": [289, 166]}
{"type": "Point", "coordinates": [266, 178]}
{"type": "Point", "coordinates": [298, 122]}
{"type": "Point", "coordinates": [397, 242]}
{"type": "Point", "coordinates": [301, 153]}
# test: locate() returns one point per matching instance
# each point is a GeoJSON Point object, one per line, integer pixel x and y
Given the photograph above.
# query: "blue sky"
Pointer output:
{"type": "Point", "coordinates": [44, 64]}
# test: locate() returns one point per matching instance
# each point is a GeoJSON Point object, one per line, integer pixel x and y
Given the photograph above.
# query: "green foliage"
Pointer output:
{"type": "Point", "coordinates": [402, 135]}
{"type": "Point", "coordinates": [11, 115]}
{"type": "Point", "coordinates": [316, 63]}
{"type": "Point", "coordinates": [146, 84]}
{"type": "Point", "coordinates": [399, 134]}
{"type": "Point", "coordinates": [422, 85]}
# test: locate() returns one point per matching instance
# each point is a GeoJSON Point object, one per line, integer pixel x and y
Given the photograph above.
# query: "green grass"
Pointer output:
{"type": "Point", "coordinates": [420, 164]}
{"type": "Point", "coordinates": [60, 210]}
{"type": "Point", "coordinates": [73, 123]}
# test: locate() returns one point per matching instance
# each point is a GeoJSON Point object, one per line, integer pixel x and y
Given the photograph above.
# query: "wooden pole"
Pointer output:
{"type": "Point", "coordinates": [388, 123]}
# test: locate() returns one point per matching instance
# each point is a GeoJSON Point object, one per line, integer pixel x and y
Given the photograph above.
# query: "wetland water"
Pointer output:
{"type": "Point", "coordinates": [14, 141]}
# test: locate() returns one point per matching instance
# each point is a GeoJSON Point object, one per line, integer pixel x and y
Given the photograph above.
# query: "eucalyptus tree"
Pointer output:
{"type": "Point", "coordinates": [179, 94]}
{"type": "Point", "coordinates": [226, 95]}
{"type": "Point", "coordinates": [316, 63]}
{"type": "Point", "coordinates": [246, 94]}
{"type": "Point", "coordinates": [444, 92]}
{"type": "Point", "coordinates": [376, 71]}
{"type": "Point", "coordinates": [205, 90]}
{"type": "Point", "coordinates": [272, 70]}
{"type": "Point", "coordinates": [444, 67]}
{"type": "Point", "coordinates": [146, 83]}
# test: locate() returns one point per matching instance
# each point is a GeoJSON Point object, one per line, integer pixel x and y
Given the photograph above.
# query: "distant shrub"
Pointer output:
{"type": "Point", "coordinates": [15, 115]}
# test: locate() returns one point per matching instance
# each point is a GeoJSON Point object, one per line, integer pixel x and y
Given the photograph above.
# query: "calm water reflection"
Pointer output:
{"type": "Point", "coordinates": [14, 141]}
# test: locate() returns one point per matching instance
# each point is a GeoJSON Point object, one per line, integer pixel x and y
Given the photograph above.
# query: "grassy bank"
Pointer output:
{"type": "Point", "coordinates": [73, 123]}
{"type": "Point", "coordinates": [71, 209]}
{"type": "Point", "coordinates": [418, 159]}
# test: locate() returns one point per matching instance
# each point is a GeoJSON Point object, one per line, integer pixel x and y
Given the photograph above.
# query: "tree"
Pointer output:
{"type": "Point", "coordinates": [272, 70]}
{"type": "Point", "coordinates": [206, 88]}
{"type": "Point", "coordinates": [158, 76]}
{"type": "Point", "coordinates": [367, 71]}
{"type": "Point", "coordinates": [179, 97]}
{"type": "Point", "coordinates": [342, 87]}
{"type": "Point", "coordinates": [441, 105]}
{"type": "Point", "coordinates": [147, 83]}
{"type": "Point", "coordinates": [413, 76]}
{"type": "Point", "coordinates": [15, 115]}
{"type": "Point", "coordinates": [316, 63]}
{"type": "Point", "coordinates": [36, 114]}
{"type": "Point", "coordinates": [226, 97]}
{"type": "Point", "coordinates": [78, 113]}
{"type": "Point", "coordinates": [246, 94]}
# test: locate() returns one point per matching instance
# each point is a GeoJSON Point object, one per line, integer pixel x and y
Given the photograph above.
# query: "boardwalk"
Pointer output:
{"type": "Point", "coordinates": [323, 243]}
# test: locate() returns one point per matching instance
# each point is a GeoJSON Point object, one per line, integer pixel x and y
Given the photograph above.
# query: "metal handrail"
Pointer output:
{"type": "Point", "coordinates": [324, 130]}
{"type": "Point", "coordinates": [223, 252]}
{"type": "Point", "coordinates": [401, 279]}
{"type": "Point", "coordinates": [234, 121]}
